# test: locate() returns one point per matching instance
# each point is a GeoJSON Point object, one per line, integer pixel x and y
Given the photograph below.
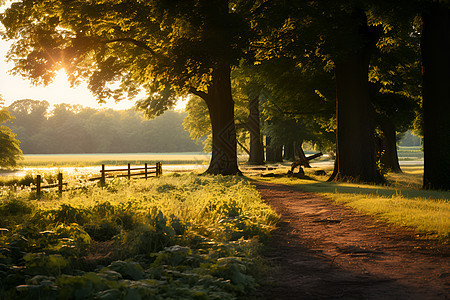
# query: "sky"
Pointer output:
{"type": "Point", "coordinates": [14, 88]}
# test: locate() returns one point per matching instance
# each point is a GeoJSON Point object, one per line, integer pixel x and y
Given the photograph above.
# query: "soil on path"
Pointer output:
{"type": "Point", "coordinates": [326, 251]}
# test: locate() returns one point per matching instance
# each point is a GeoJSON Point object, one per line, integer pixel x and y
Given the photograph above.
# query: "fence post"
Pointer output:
{"type": "Point", "coordinates": [145, 171]}
{"type": "Point", "coordinates": [158, 169]}
{"type": "Point", "coordinates": [129, 172]}
{"type": "Point", "coordinates": [38, 187]}
{"type": "Point", "coordinates": [60, 184]}
{"type": "Point", "coordinates": [103, 179]}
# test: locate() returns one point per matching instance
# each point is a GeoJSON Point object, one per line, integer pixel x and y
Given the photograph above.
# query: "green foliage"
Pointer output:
{"type": "Point", "coordinates": [123, 47]}
{"type": "Point", "coordinates": [14, 206]}
{"type": "Point", "coordinates": [10, 151]}
{"type": "Point", "coordinates": [197, 122]}
{"type": "Point", "coordinates": [190, 237]}
{"type": "Point", "coordinates": [76, 129]}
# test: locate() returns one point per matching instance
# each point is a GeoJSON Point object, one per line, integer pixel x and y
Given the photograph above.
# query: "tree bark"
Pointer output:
{"type": "Point", "coordinates": [270, 154]}
{"type": "Point", "coordinates": [389, 156]}
{"type": "Point", "coordinates": [273, 153]}
{"type": "Point", "coordinates": [289, 150]}
{"type": "Point", "coordinates": [435, 44]}
{"type": "Point", "coordinates": [302, 157]}
{"type": "Point", "coordinates": [278, 153]}
{"type": "Point", "coordinates": [221, 111]}
{"type": "Point", "coordinates": [355, 141]}
{"type": "Point", "coordinates": [256, 156]}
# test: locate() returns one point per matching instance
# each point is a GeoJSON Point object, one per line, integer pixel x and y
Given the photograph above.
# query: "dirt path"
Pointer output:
{"type": "Point", "coordinates": [325, 251]}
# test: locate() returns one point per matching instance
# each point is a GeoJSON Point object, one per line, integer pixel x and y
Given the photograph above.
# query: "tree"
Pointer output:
{"type": "Point", "coordinates": [394, 113]}
{"type": "Point", "coordinates": [30, 116]}
{"type": "Point", "coordinates": [297, 105]}
{"type": "Point", "coordinates": [248, 92]}
{"type": "Point", "coordinates": [394, 76]}
{"type": "Point", "coordinates": [168, 48]}
{"type": "Point", "coordinates": [256, 155]}
{"type": "Point", "coordinates": [435, 45]}
{"type": "Point", "coordinates": [76, 129]}
{"type": "Point", "coordinates": [10, 151]}
{"type": "Point", "coordinates": [339, 37]}
{"type": "Point", "coordinates": [355, 142]}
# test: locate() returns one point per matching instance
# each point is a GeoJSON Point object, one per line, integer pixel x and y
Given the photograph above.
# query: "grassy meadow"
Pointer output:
{"type": "Point", "coordinates": [177, 236]}
{"type": "Point", "coordinates": [84, 160]}
{"type": "Point", "coordinates": [410, 153]}
{"type": "Point", "coordinates": [401, 201]}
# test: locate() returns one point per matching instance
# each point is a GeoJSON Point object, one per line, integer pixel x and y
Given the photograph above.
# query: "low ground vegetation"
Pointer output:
{"type": "Point", "coordinates": [189, 236]}
{"type": "Point", "coordinates": [178, 236]}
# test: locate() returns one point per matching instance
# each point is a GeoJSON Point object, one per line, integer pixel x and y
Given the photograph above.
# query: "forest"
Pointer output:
{"type": "Point", "coordinates": [77, 129]}
{"type": "Point", "coordinates": [347, 76]}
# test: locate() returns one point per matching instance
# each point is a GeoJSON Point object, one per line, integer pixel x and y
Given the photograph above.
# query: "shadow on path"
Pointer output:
{"type": "Point", "coordinates": [324, 251]}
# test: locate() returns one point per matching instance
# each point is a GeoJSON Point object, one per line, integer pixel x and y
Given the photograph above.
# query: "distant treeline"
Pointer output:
{"type": "Point", "coordinates": [76, 129]}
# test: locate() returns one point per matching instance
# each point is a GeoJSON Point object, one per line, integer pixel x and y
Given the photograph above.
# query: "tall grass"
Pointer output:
{"type": "Point", "coordinates": [179, 236]}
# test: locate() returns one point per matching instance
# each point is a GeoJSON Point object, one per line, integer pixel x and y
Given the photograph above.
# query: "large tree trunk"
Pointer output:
{"type": "Point", "coordinates": [256, 156]}
{"type": "Point", "coordinates": [270, 154]}
{"type": "Point", "coordinates": [355, 141]}
{"type": "Point", "coordinates": [289, 150]}
{"type": "Point", "coordinates": [435, 45]}
{"type": "Point", "coordinates": [389, 156]}
{"type": "Point", "coordinates": [273, 153]}
{"type": "Point", "coordinates": [221, 111]}
{"type": "Point", "coordinates": [278, 153]}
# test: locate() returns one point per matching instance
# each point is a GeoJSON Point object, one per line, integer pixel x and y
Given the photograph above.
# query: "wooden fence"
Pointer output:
{"type": "Point", "coordinates": [147, 171]}
{"type": "Point", "coordinates": [40, 187]}
{"type": "Point", "coordinates": [144, 172]}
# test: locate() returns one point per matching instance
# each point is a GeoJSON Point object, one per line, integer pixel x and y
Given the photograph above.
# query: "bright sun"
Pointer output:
{"type": "Point", "coordinates": [14, 88]}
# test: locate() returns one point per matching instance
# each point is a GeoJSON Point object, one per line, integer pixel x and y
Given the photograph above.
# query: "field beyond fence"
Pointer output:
{"type": "Point", "coordinates": [114, 159]}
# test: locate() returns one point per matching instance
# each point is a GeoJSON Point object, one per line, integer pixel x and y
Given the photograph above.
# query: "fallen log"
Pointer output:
{"type": "Point", "coordinates": [304, 161]}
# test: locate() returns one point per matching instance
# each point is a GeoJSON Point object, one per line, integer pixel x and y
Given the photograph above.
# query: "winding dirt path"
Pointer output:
{"type": "Point", "coordinates": [325, 251]}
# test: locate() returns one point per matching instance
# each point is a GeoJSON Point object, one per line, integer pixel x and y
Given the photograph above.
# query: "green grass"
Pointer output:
{"type": "Point", "coordinates": [83, 160]}
{"type": "Point", "coordinates": [402, 203]}
{"type": "Point", "coordinates": [178, 236]}
{"type": "Point", "coordinates": [410, 153]}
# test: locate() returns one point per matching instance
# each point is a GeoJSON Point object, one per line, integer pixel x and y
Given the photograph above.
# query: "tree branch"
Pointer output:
{"type": "Point", "coordinates": [322, 111]}
{"type": "Point", "coordinates": [133, 41]}
{"type": "Point", "coordinates": [261, 7]}
{"type": "Point", "coordinates": [310, 112]}
{"type": "Point", "coordinates": [201, 94]}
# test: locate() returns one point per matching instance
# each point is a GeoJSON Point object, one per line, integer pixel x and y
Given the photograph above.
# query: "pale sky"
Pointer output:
{"type": "Point", "coordinates": [17, 88]}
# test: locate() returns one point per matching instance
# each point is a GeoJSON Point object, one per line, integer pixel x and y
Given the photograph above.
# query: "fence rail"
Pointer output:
{"type": "Point", "coordinates": [148, 171]}
{"type": "Point", "coordinates": [39, 187]}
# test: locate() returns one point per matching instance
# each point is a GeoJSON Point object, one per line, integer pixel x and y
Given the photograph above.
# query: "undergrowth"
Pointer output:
{"type": "Point", "coordinates": [189, 237]}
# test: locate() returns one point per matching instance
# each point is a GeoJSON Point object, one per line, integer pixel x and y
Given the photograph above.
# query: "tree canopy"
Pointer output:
{"type": "Point", "coordinates": [166, 48]}
{"type": "Point", "coordinates": [365, 54]}
{"type": "Point", "coordinates": [10, 152]}
{"type": "Point", "coordinates": [76, 129]}
{"type": "Point", "coordinates": [163, 47]}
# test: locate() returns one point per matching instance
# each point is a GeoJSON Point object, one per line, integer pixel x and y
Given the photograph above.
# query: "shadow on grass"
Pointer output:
{"type": "Point", "coordinates": [363, 189]}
